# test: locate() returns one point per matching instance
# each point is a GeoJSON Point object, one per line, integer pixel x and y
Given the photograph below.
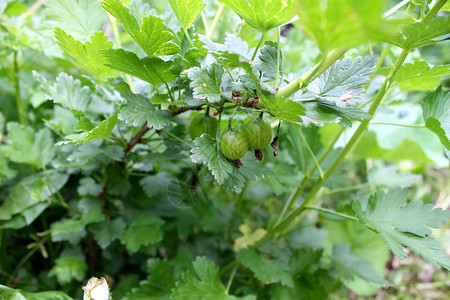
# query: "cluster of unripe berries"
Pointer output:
{"type": "Point", "coordinates": [256, 134]}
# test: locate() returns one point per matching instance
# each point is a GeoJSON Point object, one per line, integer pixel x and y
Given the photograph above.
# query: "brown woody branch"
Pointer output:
{"type": "Point", "coordinates": [138, 137]}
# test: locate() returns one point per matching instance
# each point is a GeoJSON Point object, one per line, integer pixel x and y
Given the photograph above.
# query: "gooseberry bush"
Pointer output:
{"type": "Point", "coordinates": [232, 149]}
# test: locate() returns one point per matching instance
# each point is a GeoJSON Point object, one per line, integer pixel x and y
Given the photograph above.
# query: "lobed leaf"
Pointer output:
{"type": "Point", "coordinates": [144, 231]}
{"type": "Point", "coordinates": [418, 34]}
{"type": "Point", "coordinates": [207, 151]}
{"type": "Point", "coordinates": [400, 224]}
{"type": "Point", "coordinates": [419, 76]}
{"type": "Point", "coordinates": [206, 82]}
{"type": "Point", "coordinates": [267, 271]}
{"type": "Point", "coordinates": [67, 91]}
{"type": "Point", "coordinates": [436, 113]}
{"type": "Point", "coordinates": [152, 37]}
{"type": "Point", "coordinates": [344, 23]}
{"type": "Point", "coordinates": [186, 11]}
{"type": "Point", "coordinates": [151, 69]}
{"type": "Point", "coordinates": [79, 18]}
{"type": "Point", "coordinates": [87, 55]}
{"type": "Point", "coordinates": [343, 83]}
{"type": "Point", "coordinates": [203, 284]}
{"type": "Point", "coordinates": [263, 14]}
{"type": "Point", "coordinates": [138, 109]}
{"type": "Point", "coordinates": [347, 264]}
{"type": "Point", "coordinates": [27, 146]}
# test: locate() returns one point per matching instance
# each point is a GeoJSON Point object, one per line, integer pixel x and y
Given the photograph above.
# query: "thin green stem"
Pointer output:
{"type": "Point", "coordinates": [277, 74]}
{"type": "Point", "coordinates": [228, 267]}
{"type": "Point", "coordinates": [168, 91]}
{"type": "Point", "coordinates": [263, 35]}
{"type": "Point", "coordinates": [398, 124]}
{"type": "Point", "coordinates": [25, 259]}
{"type": "Point", "coordinates": [332, 212]}
{"type": "Point", "coordinates": [115, 31]}
{"type": "Point", "coordinates": [177, 138]}
{"type": "Point", "coordinates": [205, 22]}
{"type": "Point", "coordinates": [230, 280]}
{"type": "Point", "coordinates": [232, 116]}
{"type": "Point", "coordinates": [311, 153]}
{"type": "Point", "coordinates": [299, 190]}
{"type": "Point", "coordinates": [309, 76]}
{"type": "Point", "coordinates": [215, 21]}
{"type": "Point", "coordinates": [33, 9]}
{"type": "Point", "coordinates": [395, 8]}
{"type": "Point", "coordinates": [186, 33]}
{"type": "Point", "coordinates": [348, 188]}
{"type": "Point", "coordinates": [218, 127]}
{"type": "Point", "coordinates": [311, 199]}
{"type": "Point", "coordinates": [20, 110]}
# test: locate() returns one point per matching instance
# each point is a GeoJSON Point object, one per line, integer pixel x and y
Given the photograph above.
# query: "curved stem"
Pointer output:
{"type": "Point", "coordinates": [311, 153]}
{"type": "Point", "coordinates": [312, 199]}
{"type": "Point", "coordinates": [312, 74]}
{"type": "Point", "coordinates": [215, 21]}
{"type": "Point", "coordinates": [119, 45]}
{"type": "Point", "coordinates": [308, 175]}
{"type": "Point", "coordinates": [398, 124]}
{"type": "Point", "coordinates": [263, 35]}
{"type": "Point", "coordinates": [277, 74]}
{"type": "Point", "coordinates": [205, 22]}
{"type": "Point", "coordinates": [230, 280]}
{"type": "Point", "coordinates": [332, 212]}
{"type": "Point", "coordinates": [20, 110]}
{"type": "Point", "coordinates": [186, 33]}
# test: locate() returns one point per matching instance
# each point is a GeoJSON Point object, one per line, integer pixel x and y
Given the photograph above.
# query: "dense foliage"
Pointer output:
{"type": "Point", "coordinates": [241, 149]}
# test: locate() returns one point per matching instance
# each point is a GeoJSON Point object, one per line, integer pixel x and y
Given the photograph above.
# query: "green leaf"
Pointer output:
{"type": "Point", "coordinates": [73, 230]}
{"type": "Point", "coordinates": [268, 64]}
{"type": "Point", "coordinates": [139, 109]}
{"type": "Point", "coordinates": [347, 264]}
{"type": "Point", "coordinates": [343, 82]}
{"type": "Point", "coordinates": [204, 284]}
{"type": "Point", "coordinates": [267, 271]}
{"type": "Point", "coordinates": [344, 23]}
{"type": "Point", "coordinates": [12, 294]}
{"type": "Point", "coordinates": [92, 154]}
{"type": "Point", "coordinates": [400, 224]}
{"type": "Point", "coordinates": [5, 171]}
{"type": "Point", "coordinates": [418, 34]}
{"type": "Point", "coordinates": [151, 69]}
{"type": "Point", "coordinates": [364, 243]}
{"type": "Point", "coordinates": [79, 18]}
{"type": "Point", "coordinates": [206, 82]}
{"type": "Point", "coordinates": [390, 177]}
{"type": "Point", "coordinates": [207, 151]}
{"type": "Point", "coordinates": [102, 131]}
{"type": "Point", "coordinates": [31, 191]}
{"type": "Point", "coordinates": [345, 113]}
{"type": "Point", "coordinates": [26, 146]}
{"type": "Point", "coordinates": [155, 185]}
{"type": "Point", "coordinates": [284, 109]}
{"type": "Point", "coordinates": [263, 14]}
{"type": "Point", "coordinates": [158, 284]}
{"type": "Point", "coordinates": [420, 77]}
{"type": "Point", "coordinates": [88, 186]}
{"type": "Point", "coordinates": [108, 231]}
{"type": "Point", "coordinates": [186, 11]}
{"type": "Point", "coordinates": [87, 55]}
{"type": "Point", "coordinates": [406, 148]}
{"type": "Point", "coordinates": [152, 37]}
{"type": "Point", "coordinates": [70, 265]}
{"type": "Point", "coordinates": [144, 231]}
{"type": "Point", "coordinates": [436, 113]}
{"type": "Point", "coordinates": [67, 91]}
